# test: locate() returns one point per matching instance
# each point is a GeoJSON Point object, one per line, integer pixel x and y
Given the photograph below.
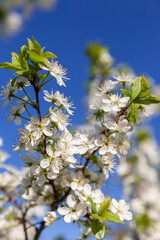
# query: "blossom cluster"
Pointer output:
{"type": "Point", "coordinates": [65, 170]}
{"type": "Point", "coordinates": [140, 175]}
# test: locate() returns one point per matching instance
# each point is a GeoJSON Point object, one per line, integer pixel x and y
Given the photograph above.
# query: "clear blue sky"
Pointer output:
{"type": "Point", "coordinates": [131, 30]}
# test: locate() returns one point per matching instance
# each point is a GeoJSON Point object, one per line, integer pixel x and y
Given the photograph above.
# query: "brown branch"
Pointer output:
{"type": "Point", "coordinates": [23, 221]}
{"type": "Point", "coordinates": [122, 112]}
{"type": "Point", "coordinates": [38, 232]}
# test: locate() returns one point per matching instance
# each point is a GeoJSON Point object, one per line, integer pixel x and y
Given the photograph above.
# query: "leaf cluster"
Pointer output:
{"type": "Point", "coordinates": [104, 214]}
{"type": "Point", "coordinates": [32, 53]}
{"type": "Point", "coordinates": [140, 95]}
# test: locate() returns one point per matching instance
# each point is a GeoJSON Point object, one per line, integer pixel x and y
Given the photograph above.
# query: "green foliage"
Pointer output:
{"type": "Point", "coordinates": [133, 114]}
{"type": "Point", "coordinates": [49, 55]}
{"type": "Point", "coordinates": [104, 206]}
{"type": "Point", "coordinates": [103, 215]}
{"type": "Point", "coordinates": [142, 135]}
{"type": "Point", "coordinates": [93, 205]}
{"type": "Point", "coordinates": [136, 88]}
{"type": "Point", "coordinates": [112, 217]}
{"type": "Point", "coordinates": [148, 99]}
{"type": "Point", "coordinates": [21, 63]}
{"type": "Point", "coordinates": [126, 93]}
{"type": "Point", "coordinates": [97, 217]}
{"type": "Point", "coordinates": [94, 51]}
{"type": "Point", "coordinates": [143, 221]}
{"type": "Point", "coordinates": [10, 66]}
{"type": "Point", "coordinates": [36, 57]}
{"type": "Point", "coordinates": [98, 229]}
{"type": "Point", "coordinates": [140, 92]}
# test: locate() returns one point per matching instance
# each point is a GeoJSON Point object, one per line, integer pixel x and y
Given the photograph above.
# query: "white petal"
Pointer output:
{"type": "Point", "coordinates": [17, 121]}
{"type": "Point", "coordinates": [68, 218]}
{"type": "Point", "coordinates": [63, 210]}
{"type": "Point", "coordinates": [71, 201]}
{"type": "Point", "coordinates": [47, 132]}
{"type": "Point", "coordinates": [51, 175]}
{"type": "Point", "coordinates": [49, 150]}
{"type": "Point", "coordinates": [44, 163]}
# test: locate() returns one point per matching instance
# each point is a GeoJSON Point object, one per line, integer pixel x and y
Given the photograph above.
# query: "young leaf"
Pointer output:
{"type": "Point", "coordinates": [144, 84]}
{"type": "Point", "coordinates": [144, 94]}
{"type": "Point", "coordinates": [24, 63]}
{"type": "Point", "coordinates": [30, 44]}
{"type": "Point", "coordinates": [22, 72]}
{"type": "Point", "coordinates": [15, 59]}
{"type": "Point", "coordinates": [49, 55]}
{"type": "Point", "coordinates": [150, 99]}
{"type": "Point", "coordinates": [35, 57]}
{"type": "Point", "coordinates": [136, 87]}
{"type": "Point", "coordinates": [97, 217]}
{"type": "Point", "coordinates": [98, 229]}
{"type": "Point", "coordinates": [126, 92]}
{"type": "Point", "coordinates": [23, 51]}
{"type": "Point", "coordinates": [10, 66]}
{"type": "Point", "coordinates": [104, 206]}
{"type": "Point", "coordinates": [36, 45]}
{"type": "Point", "coordinates": [112, 217]}
{"type": "Point", "coordinates": [133, 114]}
{"type": "Point", "coordinates": [93, 205]}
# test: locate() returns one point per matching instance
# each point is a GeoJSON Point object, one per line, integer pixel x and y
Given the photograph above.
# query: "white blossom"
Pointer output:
{"type": "Point", "coordinates": [56, 71]}
{"type": "Point", "coordinates": [114, 103]}
{"type": "Point", "coordinates": [121, 208]}
{"type": "Point", "coordinates": [74, 210]}
{"type": "Point", "coordinates": [50, 218]}
{"type": "Point", "coordinates": [60, 118]}
{"type": "Point", "coordinates": [39, 127]}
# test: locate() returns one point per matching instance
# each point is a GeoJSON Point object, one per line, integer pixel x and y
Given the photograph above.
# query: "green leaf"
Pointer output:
{"type": "Point", "coordinates": [24, 63]}
{"type": "Point", "coordinates": [144, 93]}
{"type": "Point", "coordinates": [143, 221]}
{"type": "Point", "coordinates": [36, 45]}
{"type": "Point", "coordinates": [16, 59]}
{"type": "Point", "coordinates": [36, 57]}
{"type": "Point", "coordinates": [2, 198]}
{"type": "Point", "coordinates": [30, 44]}
{"type": "Point", "coordinates": [98, 229]}
{"type": "Point", "coordinates": [49, 55]}
{"type": "Point", "coordinates": [144, 84]}
{"type": "Point", "coordinates": [133, 114]}
{"type": "Point", "coordinates": [93, 205]}
{"type": "Point", "coordinates": [97, 217]}
{"type": "Point", "coordinates": [23, 51]}
{"type": "Point", "coordinates": [42, 76]}
{"type": "Point", "coordinates": [136, 87]}
{"type": "Point", "coordinates": [22, 72]}
{"type": "Point", "coordinates": [10, 66]}
{"type": "Point", "coordinates": [112, 217]}
{"type": "Point", "coordinates": [104, 206]}
{"type": "Point", "coordinates": [13, 81]}
{"type": "Point", "coordinates": [150, 99]}
{"type": "Point", "coordinates": [93, 157]}
{"type": "Point", "coordinates": [126, 92]}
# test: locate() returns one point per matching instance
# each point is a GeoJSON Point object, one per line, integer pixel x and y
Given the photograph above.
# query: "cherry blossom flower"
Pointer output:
{"type": "Point", "coordinates": [39, 127]}
{"type": "Point", "coordinates": [50, 218]}
{"type": "Point", "coordinates": [114, 103]}
{"type": "Point", "coordinates": [121, 126]}
{"type": "Point", "coordinates": [74, 210]}
{"type": "Point", "coordinates": [60, 118]}
{"type": "Point", "coordinates": [121, 208]}
{"type": "Point", "coordinates": [56, 71]}
{"type": "Point", "coordinates": [16, 113]}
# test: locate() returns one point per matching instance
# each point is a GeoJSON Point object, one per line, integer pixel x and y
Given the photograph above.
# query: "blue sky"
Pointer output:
{"type": "Point", "coordinates": [131, 30]}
